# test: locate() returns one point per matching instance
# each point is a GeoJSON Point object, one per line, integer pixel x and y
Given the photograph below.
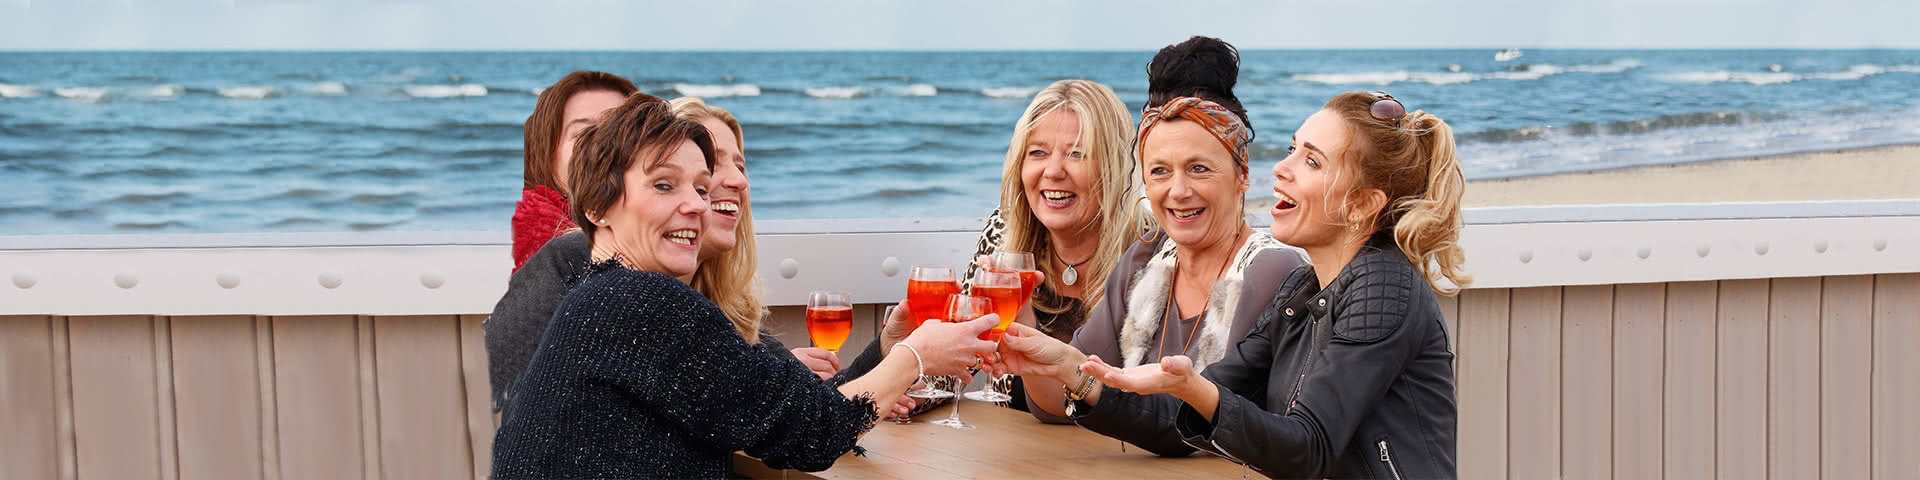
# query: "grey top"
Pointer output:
{"type": "Point", "coordinates": [1101, 334]}
{"type": "Point", "coordinates": [518, 321]}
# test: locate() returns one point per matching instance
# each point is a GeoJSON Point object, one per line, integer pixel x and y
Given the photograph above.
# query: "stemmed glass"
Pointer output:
{"type": "Point", "coordinates": [1020, 264]}
{"type": "Point", "coordinates": [928, 287]}
{"type": "Point", "coordinates": [961, 308]}
{"type": "Point", "coordinates": [1003, 288]}
{"type": "Point", "coordinates": [829, 319]}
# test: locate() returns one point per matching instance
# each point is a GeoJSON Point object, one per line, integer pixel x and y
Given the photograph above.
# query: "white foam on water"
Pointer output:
{"type": "Point", "coordinates": [247, 93]}
{"type": "Point", "coordinates": [325, 88]}
{"type": "Point", "coordinates": [1455, 77]}
{"type": "Point", "coordinates": [1856, 72]}
{"type": "Point", "coordinates": [1445, 78]}
{"type": "Point", "coordinates": [1360, 78]}
{"type": "Point", "coordinates": [166, 91]}
{"type": "Point", "coordinates": [1009, 92]}
{"type": "Point", "coordinates": [446, 91]}
{"type": "Point", "coordinates": [835, 92]}
{"type": "Point", "coordinates": [733, 90]}
{"type": "Point", "coordinates": [920, 90]}
{"type": "Point", "coordinates": [17, 91]}
{"type": "Point", "coordinates": [90, 94]}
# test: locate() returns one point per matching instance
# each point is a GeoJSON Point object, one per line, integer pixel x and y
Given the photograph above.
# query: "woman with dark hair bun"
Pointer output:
{"type": "Point", "coordinates": [1203, 67]}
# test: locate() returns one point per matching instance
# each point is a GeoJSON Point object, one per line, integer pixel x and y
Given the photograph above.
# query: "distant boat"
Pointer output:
{"type": "Point", "coordinates": [1507, 55]}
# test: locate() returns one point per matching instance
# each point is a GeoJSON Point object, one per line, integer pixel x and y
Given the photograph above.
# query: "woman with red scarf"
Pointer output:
{"type": "Point", "coordinates": [562, 110]}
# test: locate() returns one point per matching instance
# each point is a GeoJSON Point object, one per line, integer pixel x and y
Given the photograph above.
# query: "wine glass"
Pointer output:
{"type": "Point", "coordinates": [1020, 263]}
{"type": "Point", "coordinates": [829, 319]}
{"type": "Point", "coordinates": [961, 308]}
{"type": "Point", "coordinates": [928, 287]}
{"type": "Point", "coordinates": [1003, 288]}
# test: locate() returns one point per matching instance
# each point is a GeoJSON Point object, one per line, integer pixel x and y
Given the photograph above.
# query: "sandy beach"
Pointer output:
{"type": "Point", "coordinates": [1866, 174]}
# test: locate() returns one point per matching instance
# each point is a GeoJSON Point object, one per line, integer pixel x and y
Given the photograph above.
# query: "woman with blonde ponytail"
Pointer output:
{"type": "Point", "coordinates": [1350, 373]}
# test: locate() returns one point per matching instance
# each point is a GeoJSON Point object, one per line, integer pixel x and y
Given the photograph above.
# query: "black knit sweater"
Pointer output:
{"type": "Point", "coordinates": [640, 376]}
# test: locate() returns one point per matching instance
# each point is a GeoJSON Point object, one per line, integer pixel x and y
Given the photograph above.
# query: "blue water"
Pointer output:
{"type": "Point", "coordinates": [237, 142]}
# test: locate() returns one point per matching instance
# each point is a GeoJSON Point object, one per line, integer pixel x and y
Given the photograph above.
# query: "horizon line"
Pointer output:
{"type": "Point", "coordinates": [899, 50]}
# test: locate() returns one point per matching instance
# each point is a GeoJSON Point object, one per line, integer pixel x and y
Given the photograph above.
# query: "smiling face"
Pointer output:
{"type": "Point", "coordinates": [730, 192]}
{"type": "Point", "coordinates": [1312, 185]}
{"type": "Point", "coordinates": [657, 223]}
{"type": "Point", "coordinates": [1193, 182]}
{"type": "Point", "coordinates": [582, 109]}
{"type": "Point", "coordinates": [1058, 176]}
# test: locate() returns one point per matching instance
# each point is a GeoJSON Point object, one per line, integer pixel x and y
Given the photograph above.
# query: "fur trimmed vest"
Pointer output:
{"type": "Point", "coordinates": [1153, 287]}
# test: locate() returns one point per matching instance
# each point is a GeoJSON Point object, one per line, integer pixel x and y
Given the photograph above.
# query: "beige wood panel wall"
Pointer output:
{"type": "Point", "coordinates": [1770, 378]}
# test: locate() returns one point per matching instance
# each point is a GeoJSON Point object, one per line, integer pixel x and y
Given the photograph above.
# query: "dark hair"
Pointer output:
{"type": "Point", "coordinates": [548, 120]}
{"type": "Point", "coordinates": [642, 126]}
{"type": "Point", "coordinates": [1204, 67]}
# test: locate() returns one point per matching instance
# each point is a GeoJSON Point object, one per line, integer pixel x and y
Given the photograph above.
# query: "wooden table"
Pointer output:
{"type": "Point", "coordinates": [1007, 443]}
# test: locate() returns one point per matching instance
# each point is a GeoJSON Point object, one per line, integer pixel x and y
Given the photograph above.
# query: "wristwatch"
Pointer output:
{"type": "Point", "coordinates": [1076, 396]}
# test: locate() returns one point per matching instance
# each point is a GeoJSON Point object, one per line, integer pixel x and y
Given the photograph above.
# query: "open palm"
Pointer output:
{"type": "Point", "coordinates": [1168, 376]}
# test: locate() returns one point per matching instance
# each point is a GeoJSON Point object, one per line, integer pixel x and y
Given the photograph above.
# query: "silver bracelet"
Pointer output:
{"type": "Point", "coordinates": [920, 364]}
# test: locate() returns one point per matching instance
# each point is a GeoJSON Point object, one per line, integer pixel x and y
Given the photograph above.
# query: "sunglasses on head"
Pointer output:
{"type": "Point", "coordinates": [1385, 107]}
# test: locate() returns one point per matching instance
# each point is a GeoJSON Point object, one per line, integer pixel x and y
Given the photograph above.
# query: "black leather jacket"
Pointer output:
{"type": "Point", "coordinates": [1353, 381]}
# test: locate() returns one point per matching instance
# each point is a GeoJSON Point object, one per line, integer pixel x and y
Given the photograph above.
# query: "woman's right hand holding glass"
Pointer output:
{"type": "Point", "coordinates": [948, 348]}
{"type": "Point", "coordinates": [1027, 352]}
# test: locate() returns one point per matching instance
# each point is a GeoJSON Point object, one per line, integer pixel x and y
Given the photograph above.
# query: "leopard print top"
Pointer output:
{"type": "Point", "coordinates": [1058, 325]}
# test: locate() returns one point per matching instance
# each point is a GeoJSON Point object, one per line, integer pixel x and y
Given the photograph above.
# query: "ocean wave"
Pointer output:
{"type": "Point", "coordinates": [290, 222]}
{"type": "Point", "coordinates": [149, 226]}
{"type": "Point", "coordinates": [446, 91]}
{"type": "Point", "coordinates": [731, 90]}
{"type": "Point", "coordinates": [1009, 92]}
{"type": "Point", "coordinates": [155, 197]}
{"type": "Point", "coordinates": [1451, 77]}
{"type": "Point", "coordinates": [1675, 139]}
{"type": "Point", "coordinates": [88, 94]}
{"type": "Point", "coordinates": [17, 91]}
{"type": "Point", "coordinates": [383, 198]}
{"type": "Point", "coordinates": [150, 173]}
{"type": "Point", "coordinates": [1675, 121]}
{"type": "Point", "coordinates": [377, 172]}
{"type": "Point", "coordinates": [882, 196]}
{"type": "Point", "coordinates": [166, 91]}
{"type": "Point", "coordinates": [254, 92]}
{"type": "Point", "coordinates": [1772, 77]}
{"type": "Point", "coordinates": [324, 88]}
{"type": "Point", "coordinates": [919, 90]}
{"type": "Point", "coordinates": [836, 92]}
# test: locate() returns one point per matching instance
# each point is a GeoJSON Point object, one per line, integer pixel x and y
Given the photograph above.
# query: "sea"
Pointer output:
{"type": "Point", "coordinates": [191, 142]}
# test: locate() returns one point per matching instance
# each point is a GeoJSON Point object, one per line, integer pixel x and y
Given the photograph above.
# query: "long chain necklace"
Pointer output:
{"type": "Point", "coordinates": [1173, 305]}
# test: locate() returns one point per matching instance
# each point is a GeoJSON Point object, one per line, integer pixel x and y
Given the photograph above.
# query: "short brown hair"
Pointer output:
{"type": "Point", "coordinates": [642, 126]}
{"type": "Point", "coordinates": [544, 126]}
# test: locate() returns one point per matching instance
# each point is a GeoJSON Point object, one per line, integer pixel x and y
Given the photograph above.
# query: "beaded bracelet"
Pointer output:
{"type": "Point", "coordinates": [920, 364]}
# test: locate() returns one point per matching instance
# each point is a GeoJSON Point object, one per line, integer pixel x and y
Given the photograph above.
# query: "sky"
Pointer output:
{"type": "Point", "coordinates": [948, 25]}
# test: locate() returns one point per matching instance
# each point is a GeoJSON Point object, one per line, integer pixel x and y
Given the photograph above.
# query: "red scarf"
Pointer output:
{"type": "Point", "coordinates": [541, 215]}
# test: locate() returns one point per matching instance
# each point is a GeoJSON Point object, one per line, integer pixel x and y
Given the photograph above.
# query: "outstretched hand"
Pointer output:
{"type": "Point", "coordinates": [1173, 375]}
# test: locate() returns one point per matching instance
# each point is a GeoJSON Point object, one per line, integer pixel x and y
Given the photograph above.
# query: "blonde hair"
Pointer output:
{"type": "Point", "coordinates": [1412, 160]}
{"type": "Point", "coordinates": [730, 279]}
{"type": "Point", "coordinates": [1107, 129]}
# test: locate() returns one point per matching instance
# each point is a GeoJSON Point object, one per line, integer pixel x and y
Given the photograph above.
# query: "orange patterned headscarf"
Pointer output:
{"type": "Point", "coordinates": [1220, 122]}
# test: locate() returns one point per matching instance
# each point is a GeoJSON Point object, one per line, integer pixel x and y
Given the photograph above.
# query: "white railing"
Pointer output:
{"type": "Point", "coordinates": [392, 273]}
